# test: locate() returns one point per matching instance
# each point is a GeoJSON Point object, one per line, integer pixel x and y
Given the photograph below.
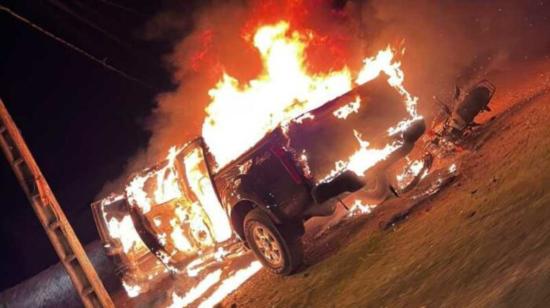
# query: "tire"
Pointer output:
{"type": "Point", "coordinates": [278, 248]}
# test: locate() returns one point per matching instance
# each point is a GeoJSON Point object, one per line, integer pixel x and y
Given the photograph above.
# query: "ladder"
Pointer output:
{"type": "Point", "coordinates": [67, 246]}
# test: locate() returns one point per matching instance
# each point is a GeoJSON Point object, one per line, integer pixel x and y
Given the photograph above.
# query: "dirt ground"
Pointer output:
{"type": "Point", "coordinates": [483, 241]}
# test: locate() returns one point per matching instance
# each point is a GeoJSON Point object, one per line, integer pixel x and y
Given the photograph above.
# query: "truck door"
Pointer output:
{"type": "Point", "coordinates": [199, 182]}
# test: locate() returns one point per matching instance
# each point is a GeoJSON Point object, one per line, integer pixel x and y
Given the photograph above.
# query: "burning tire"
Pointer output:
{"type": "Point", "coordinates": [279, 249]}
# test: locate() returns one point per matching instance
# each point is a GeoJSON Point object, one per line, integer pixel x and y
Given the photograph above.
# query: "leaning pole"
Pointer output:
{"type": "Point", "coordinates": [58, 229]}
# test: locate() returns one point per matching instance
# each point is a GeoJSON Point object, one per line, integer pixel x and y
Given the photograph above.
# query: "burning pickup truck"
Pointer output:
{"type": "Point", "coordinates": [188, 211]}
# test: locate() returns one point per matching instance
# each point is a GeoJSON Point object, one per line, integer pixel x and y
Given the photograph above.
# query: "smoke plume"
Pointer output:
{"type": "Point", "coordinates": [446, 43]}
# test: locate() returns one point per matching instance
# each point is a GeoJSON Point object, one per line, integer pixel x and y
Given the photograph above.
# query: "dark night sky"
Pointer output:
{"type": "Point", "coordinates": [80, 120]}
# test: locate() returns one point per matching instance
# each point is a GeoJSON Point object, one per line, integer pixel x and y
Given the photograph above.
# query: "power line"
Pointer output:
{"type": "Point", "coordinates": [102, 62]}
{"type": "Point", "coordinates": [123, 8]}
{"type": "Point", "coordinates": [61, 6]}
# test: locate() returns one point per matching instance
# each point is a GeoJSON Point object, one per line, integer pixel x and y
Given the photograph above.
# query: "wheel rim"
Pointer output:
{"type": "Point", "coordinates": [267, 245]}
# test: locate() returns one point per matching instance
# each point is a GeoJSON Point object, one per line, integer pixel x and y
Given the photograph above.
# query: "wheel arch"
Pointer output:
{"type": "Point", "coordinates": [238, 213]}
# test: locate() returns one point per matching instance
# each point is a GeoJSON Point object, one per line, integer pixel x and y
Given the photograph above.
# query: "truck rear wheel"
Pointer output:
{"type": "Point", "coordinates": [277, 248]}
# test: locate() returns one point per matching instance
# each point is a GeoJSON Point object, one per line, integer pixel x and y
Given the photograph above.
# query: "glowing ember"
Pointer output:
{"type": "Point", "coordinates": [131, 290]}
{"type": "Point", "coordinates": [344, 111]}
{"type": "Point", "coordinates": [452, 168]}
{"type": "Point", "coordinates": [359, 208]}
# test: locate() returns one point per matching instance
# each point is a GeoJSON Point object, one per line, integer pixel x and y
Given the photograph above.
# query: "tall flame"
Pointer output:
{"type": "Point", "coordinates": [239, 115]}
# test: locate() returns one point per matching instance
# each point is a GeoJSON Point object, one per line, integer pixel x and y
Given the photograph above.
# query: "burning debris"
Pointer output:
{"type": "Point", "coordinates": [452, 125]}
{"type": "Point", "coordinates": [444, 140]}
{"type": "Point", "coordinates": [359, 208]}
{"type": "Point", "coordinates": [344, 111]}
{"type": "Point", "coordinates": [434, 183]}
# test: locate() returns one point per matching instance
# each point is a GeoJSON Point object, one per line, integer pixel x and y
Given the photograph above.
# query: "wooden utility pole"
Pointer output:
{"type": "Point", "coordinates": [51, 216]}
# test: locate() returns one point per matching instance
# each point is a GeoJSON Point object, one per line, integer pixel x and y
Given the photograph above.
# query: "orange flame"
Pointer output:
{"type": "Point", "coordinates": [344, 111]}
{"type": "Point", "coordinates": [239, 115]}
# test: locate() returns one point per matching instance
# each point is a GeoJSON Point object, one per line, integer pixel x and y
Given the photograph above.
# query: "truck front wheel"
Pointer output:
{"type": "Point", "coordinates": [279, 249]}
